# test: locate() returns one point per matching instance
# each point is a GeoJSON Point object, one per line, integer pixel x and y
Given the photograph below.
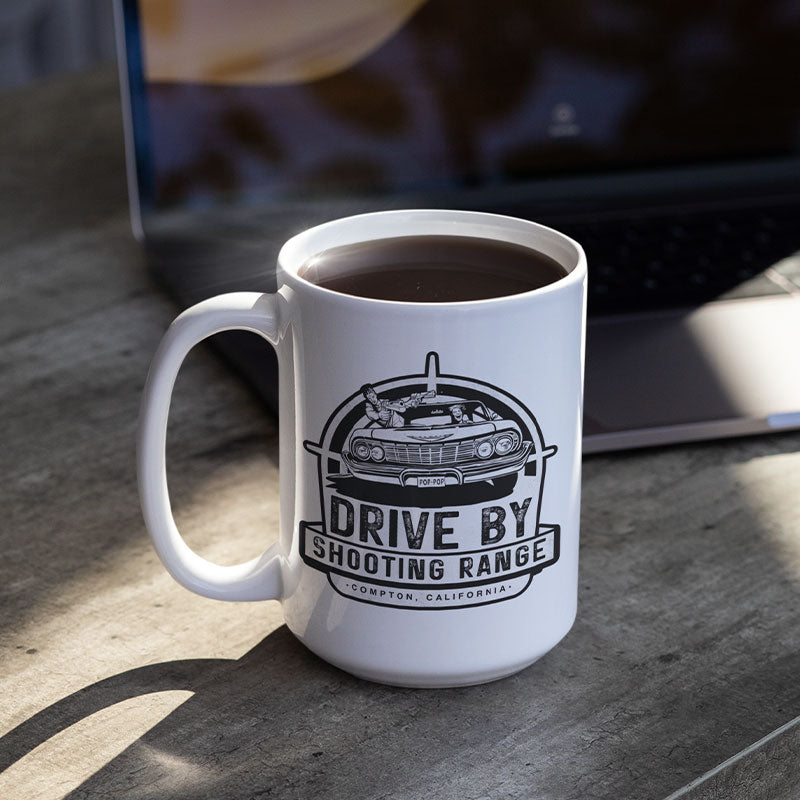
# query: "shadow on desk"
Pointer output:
{"type": "Point", "coordinates": [279, 722]}
{"type": "Point", "coordinates": [276, 722]}
{"type": "Point", "coordinates": [251, 725]}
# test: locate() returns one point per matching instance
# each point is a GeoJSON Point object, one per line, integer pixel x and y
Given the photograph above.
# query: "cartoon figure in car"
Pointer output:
{"type": "Point", "coordinates": [388, 413]}
{"type": "Point", "coordinates": [460, 416]}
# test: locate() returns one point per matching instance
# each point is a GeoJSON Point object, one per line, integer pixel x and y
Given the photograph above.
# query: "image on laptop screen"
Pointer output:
{"type": "Point", "coordinates": [241, 101]}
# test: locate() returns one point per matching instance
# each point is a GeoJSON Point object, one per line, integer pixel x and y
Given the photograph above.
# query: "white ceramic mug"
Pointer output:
{"type": "Point", "coordinates": [473, 575]}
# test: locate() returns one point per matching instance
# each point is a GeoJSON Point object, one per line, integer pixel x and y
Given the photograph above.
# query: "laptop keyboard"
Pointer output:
{"type": "Point", "coordinates": [650, 261]}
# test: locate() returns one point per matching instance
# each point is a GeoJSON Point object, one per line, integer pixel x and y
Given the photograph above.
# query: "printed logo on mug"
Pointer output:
{"type": "Point", "coordinates": [431, 378]}
{"type": "Point", "coordinates": [430, 494]}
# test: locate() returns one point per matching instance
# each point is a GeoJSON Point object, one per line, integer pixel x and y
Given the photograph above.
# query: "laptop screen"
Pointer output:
{"type": "Point", "coordinates": [242, 100]}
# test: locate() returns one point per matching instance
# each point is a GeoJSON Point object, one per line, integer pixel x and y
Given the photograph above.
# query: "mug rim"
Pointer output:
{"type": "Point", "coordinates": [478, 224]}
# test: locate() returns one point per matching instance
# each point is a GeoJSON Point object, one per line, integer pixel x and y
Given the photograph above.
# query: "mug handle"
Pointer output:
{"type": "Point", "coordinates": [260, 578]}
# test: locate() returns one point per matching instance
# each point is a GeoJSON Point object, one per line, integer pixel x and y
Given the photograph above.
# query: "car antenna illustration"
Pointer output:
{"type": "Point", "coordinates": [432, 372]}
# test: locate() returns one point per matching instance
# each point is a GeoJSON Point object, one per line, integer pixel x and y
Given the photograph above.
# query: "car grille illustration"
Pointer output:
{"type": "Point", "coordinates": [429, 454]}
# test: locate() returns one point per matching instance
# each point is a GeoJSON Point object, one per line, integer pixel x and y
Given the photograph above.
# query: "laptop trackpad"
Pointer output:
{"type": "Point", "coordinates": [729, 362]}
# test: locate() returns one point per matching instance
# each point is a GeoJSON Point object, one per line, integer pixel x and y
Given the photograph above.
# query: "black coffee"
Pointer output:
{"type": "Point", "coordinates": [431, 269]}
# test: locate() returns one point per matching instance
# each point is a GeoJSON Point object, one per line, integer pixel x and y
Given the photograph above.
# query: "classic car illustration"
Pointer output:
{"type": "Point", "coordinates": [430, 431]}
{"type": "Point", "coordinates": [433, 440]}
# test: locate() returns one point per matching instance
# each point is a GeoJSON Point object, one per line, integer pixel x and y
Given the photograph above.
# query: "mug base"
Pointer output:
{"type": "Point", "coordinates": [440, 681]}
{"type": "Point", "coordinates": [443, 679]}
{"type": "Point", "coordinates": [428, 666]}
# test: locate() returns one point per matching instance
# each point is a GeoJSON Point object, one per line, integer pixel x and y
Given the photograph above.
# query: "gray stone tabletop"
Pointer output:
{"type": "Point", "coordinates": [680, 678]}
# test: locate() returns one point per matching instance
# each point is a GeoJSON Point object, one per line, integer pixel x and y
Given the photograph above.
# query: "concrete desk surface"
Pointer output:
{"type": "Point", "coordinates": [117, 683]}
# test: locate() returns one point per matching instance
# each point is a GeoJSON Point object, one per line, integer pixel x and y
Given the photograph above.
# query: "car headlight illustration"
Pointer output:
{"type": "Point", "coordinates": [485, 449]}
{"type": "Point", "coordinates": [505, 443]}
{"type": "Point", "coordinates": [361, 449]}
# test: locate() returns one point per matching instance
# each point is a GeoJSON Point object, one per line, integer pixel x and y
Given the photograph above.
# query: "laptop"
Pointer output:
{"type": "Point", "coordinates": [665, 138]}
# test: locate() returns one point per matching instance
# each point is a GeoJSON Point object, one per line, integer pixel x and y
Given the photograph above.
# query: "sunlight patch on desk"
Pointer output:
{"type": "Point", "coordinates": [62, 763]}
{"type": "Point", "coordinates": [771, 489]}
{"type": "Point", "coordinates": [224, 510]}
{"type": "Point", "coordinates": [750, 350]}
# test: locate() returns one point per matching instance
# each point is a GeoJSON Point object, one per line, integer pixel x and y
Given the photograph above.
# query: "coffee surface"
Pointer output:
{"type": "Point", "coordinates": [431, 269]}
